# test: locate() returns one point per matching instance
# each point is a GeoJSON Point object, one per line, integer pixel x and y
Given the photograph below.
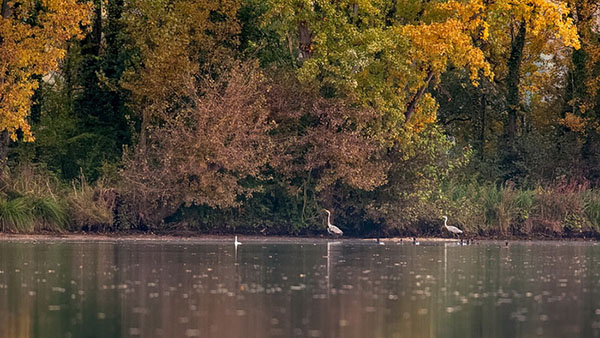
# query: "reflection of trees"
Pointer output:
{"type": "Point", "coordinates": [15, 308]}
{"type": "Point", "coordinates": [280, 290]}
{"type": "Point", "coordinates": [43, 283]}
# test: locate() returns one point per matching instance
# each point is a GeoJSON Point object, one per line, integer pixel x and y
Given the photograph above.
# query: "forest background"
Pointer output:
{"type": "Point", "coordinates": [254, 115]}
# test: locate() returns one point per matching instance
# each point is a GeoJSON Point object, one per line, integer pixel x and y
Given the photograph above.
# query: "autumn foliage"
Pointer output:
{"type": "Point", "coordinates": [201, 152]}
{"type": "Point", "coordinates": [260, 113]}
{"type": "Point", "coordinates": [33, 40]}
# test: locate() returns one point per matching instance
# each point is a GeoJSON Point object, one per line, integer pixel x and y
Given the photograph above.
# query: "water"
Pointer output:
{"type": "Point", "coordinates": [307, 288]}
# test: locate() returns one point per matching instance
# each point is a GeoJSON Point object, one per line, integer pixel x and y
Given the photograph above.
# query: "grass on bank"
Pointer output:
{"type": "Point", "coordinates": [561, 209]}
{"type": "Point", "coordinates": [28, 202]}
{"type": "Point", "coordinates": [32, 199]}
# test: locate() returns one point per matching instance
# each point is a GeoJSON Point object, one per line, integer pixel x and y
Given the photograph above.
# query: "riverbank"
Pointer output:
{"type": "Point", "coordinates": [197, 238]}
{"type": "Point", "coordinates": [182, 236]}
{"type": "Point", "coordinates": [33, 202]}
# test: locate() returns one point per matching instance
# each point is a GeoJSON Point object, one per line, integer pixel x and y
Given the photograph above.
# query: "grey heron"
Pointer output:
{"type": "Point", "coordinates": [452, 229]}
{"type": "Point", "coordinates": [332, 229]}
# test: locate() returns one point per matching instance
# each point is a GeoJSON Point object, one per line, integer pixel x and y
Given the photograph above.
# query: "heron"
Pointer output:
{"type": "Point", "coordinates": [332, 229]}
{"type": "Point", "coordinates": [452, 229]}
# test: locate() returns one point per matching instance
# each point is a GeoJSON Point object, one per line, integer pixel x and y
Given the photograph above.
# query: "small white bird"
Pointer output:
{"type": "Point", "coordinates": [332, 229]}
{"type": "Point", "coordinates": [236, 243]}
{"type": "Point", "coordinates": [452, 229]}
{"type": "Point", "coordinates": [380, 242]}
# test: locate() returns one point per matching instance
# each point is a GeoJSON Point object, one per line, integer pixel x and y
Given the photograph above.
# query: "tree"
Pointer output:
{"type": "Point", "coordinates": [525, 47]}
{"type": "Point", "coordinates": [99, 101]}
{"type": "Point", "coordinates": [206, 149]}
{"type": "Point", "coordinates": [176, 40]}
{"type": "Point", "coordinates": [580, 115]}
{"type": "Point", "coordinates": [33, 38]}
{"type": "Point", "coordinates": [383, 54]}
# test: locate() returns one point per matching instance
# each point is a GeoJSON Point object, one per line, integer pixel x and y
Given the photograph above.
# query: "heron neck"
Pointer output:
{"type": "Point", "coordinates": [328, 218]}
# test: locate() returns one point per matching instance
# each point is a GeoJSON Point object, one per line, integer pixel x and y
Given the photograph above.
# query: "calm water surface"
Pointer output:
{"type": "Point", "coordinates": [308, 288]}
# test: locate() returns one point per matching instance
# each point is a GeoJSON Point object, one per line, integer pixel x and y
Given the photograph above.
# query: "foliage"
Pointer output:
{"type": "Point", "coordinates": [204, 151]}
{"type": "Point", "coordinates": [377, 53]}
{"type": "Point", "coordinates": [247, 115]}
{"type": "Point", "coordinates": [32, 41]}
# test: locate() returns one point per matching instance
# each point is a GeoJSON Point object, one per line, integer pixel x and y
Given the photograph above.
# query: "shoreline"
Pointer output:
{"type": "Point", "coordinates": [203, 237]}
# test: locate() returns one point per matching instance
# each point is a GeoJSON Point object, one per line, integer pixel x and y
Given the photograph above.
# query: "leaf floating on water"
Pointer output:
{"type": "Point", "coordinates": [192, 333]}
{"type": "Point", "coordinates": [298, 287]}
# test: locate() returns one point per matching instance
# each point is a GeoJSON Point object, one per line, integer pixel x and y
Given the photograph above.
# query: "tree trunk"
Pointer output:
{"type": "Point", "coordinates": [513, 98]}
{"type": "Point", "coordinates": [4, 145]}
{"type": "Point", "coordinates": [4, 135]}
{"type": "Point", "coordinates": [482, 121]}
{"type": "Point", "coordinates": [305, 42]}
{"type": "Point", "coordinates": [511, 157]}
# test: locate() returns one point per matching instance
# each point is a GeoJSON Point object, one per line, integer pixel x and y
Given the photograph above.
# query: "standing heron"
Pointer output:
{"type": "Point", "coordinates": [332, 229]}
{"type": "Point", "coordinates": [235, 247]}
{"type": "Point", "coordinates": [452, 229]}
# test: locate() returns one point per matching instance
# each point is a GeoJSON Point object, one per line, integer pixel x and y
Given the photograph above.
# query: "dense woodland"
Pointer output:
{"type": "Point", "coordinates": [254, 115]}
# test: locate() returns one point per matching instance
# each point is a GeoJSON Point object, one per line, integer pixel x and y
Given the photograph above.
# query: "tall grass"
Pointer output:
{"type": "Point", "coordinates": [28, 201]}
{"type": "Point", "coordinates": [591, 202]}
{"type": "Point", "coordinates": [90, 207]}
{"type": "Point", "coordinates": [15, 215]}
{"type": "Point", "coordinates": [33, 199]}
{"type": "Point", "coordinates": [49, 213]}
{"type": "Point", "coordinates": [28, 214]}
{"type": "Point", "coordinates": [554, 210]}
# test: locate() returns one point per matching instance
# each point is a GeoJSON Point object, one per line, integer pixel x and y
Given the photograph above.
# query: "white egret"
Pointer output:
{"type": "Point", "coordinates": [332, 229]}
{"type": "Point", "coordinates": [452, 229]}
{"type": "Point", "coordinates": [236, 243]}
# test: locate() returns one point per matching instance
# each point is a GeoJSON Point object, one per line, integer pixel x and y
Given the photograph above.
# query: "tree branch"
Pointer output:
{"type": "Point", "coordinates": [412, 105]}
{"type": "Point", "coordinates": [5, 9]}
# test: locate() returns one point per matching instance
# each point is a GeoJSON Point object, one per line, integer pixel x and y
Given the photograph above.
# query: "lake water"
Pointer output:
{"type": "Point", "coordinates": [304, 288]}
